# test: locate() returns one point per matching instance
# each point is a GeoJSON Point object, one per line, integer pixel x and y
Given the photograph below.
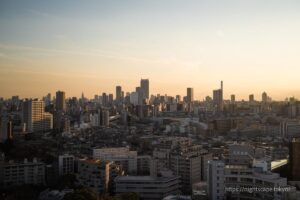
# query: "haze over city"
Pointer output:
{"type": "Point", "coordinates": [149, 100]}
{"type": "Point", "coordinates": [91, 47]}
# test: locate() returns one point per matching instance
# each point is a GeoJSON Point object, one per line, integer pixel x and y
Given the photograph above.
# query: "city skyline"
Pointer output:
{"type": "Point", "coordinates": [118, 93]}
{"type": "Point", "coordinates": [78, 47]}
{"type": "Point", "coordinates": [185, 93]}
{"type": "Point", "coordinates": [149, 100]}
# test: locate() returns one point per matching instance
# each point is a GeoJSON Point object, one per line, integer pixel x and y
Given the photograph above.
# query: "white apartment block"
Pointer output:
{"type": "Point", "coordinates": [243, 182]}
{"type": "Point", "coordinates": [19, 173]}
{"type": "Point", "coordinates": [120, 155]}
{"type": "Point", "coordinates": [215, 179]}
{"type": "Point", "coordinates": [148, 187]}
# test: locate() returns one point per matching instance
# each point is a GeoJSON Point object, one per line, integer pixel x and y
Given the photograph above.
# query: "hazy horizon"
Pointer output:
{"type": "Point", "coordinates": [78, 46]}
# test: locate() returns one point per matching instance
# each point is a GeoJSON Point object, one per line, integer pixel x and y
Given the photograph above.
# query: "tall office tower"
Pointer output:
{"type": "Point", "coordinates": [34, 116]}
{"type": "Point", "coordinates": [140, 95]}
{"type": "Point", "coordinates": [118, 93]}
{"type": "Point", "coordinates": [190, 95]}
{"type": "Point", "coordinates": [251, 98]}
{"type": "Point", "coordinates": [232, 98]}
{"type": "Point", "coordinates": [294, 159]}
{"type": "Point", "coordinates": [104, 99]}
{"type": "Point", "coordinates": [145, 88]}
{"type": "Point", "coordinates": [218, 98]}
{"type": "Point", "coordinates": [60, 101]}
{"type": "Point", "coordinates": [264, 97]}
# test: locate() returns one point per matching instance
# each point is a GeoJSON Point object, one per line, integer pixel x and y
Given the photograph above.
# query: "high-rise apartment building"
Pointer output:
{"type": "Point", "coordinates": [35, 118]}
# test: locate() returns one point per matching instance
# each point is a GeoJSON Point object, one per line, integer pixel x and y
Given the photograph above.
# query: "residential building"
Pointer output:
{"type": "Point", "coordinates": [120, 155]}
{"type": "Point", "coordinates": [20, 173]}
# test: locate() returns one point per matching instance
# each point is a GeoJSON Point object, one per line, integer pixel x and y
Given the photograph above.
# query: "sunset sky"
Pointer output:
{"type": "Point", "coordinates": [92, 46]}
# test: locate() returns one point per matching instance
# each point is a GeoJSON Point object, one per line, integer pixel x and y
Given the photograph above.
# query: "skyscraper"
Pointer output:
{"type": "Point", "coordinates": [218, 98]}
{"type": "Point", "coordinates": [190, 95]}
{"type": "Point", "coordinates": [145, 88]}
{"type": "Point", "coordinates": [104, 99]}
{"type": "Point", "coordinates": [60, 101]}
{"type": "Point", "coordinates": [140, 95]}
{"type": "Point", "coordinates": [118, 93]}
{"type": "Point", "coordinates": [34, 116]}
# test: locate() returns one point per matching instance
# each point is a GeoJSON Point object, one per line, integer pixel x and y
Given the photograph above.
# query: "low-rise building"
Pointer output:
{"type": "Point", "coordinates": [20, 173]}
{"type": "Point", "coordinates": [148, 187]}
{"type": "Point", "coordinates": [120, 155]}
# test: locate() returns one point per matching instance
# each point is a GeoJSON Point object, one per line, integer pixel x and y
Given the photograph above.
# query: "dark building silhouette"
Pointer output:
{"type": "Point", "coordinates": [294, 159]}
